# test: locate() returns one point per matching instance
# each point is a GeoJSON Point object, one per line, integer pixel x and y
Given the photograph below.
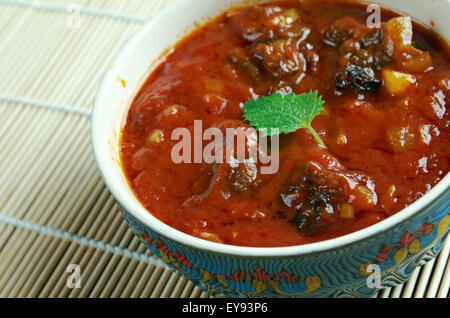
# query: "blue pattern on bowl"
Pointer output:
{"type": "Point", "coordinates": [340, 272]}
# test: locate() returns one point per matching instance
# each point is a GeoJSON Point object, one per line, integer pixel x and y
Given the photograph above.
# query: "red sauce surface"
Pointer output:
{"type": "Point", "coordinates": [395, 145]}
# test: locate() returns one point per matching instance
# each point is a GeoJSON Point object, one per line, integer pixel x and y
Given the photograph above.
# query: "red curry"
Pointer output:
{"type": "Point", "coordinates": [385, 124]}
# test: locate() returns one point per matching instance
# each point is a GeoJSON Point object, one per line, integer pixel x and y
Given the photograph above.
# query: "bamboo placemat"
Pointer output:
{"type": "Point", "coordinates": [54, 208]}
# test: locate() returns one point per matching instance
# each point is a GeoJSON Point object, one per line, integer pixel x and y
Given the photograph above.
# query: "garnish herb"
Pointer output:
{"type": "Point", "coordinates": [280, 113]}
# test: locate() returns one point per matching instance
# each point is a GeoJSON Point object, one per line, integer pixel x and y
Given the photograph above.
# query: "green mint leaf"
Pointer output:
{"type": "Point", "coordinates": [280, 113]}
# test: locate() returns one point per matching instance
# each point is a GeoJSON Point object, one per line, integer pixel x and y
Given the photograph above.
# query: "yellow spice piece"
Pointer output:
{"type": "Point", "coordinates": [397, 82]}
{"type": "Point", "coordinates": [391, 190]}
{"type": "Point", "coordinates": [346, 211]}
{"type": "Point", "coordinates": [279, 44]}
{"type": "Point", "coordinates": [341, 139]}
{"type": "Point", "coordinates": [210, 237]}
{"type": "Point", "coordinates": [365, 193]}
{"type": "Point", "coordinates": [291, 14]}
{"type": "Point", "coordinates": [172, 110]}
{"type": "Point", "coordinates": [155, 137]}
{"type": "Point", "coordinates": [400, 30]}
{"type": "Point", "coordinates": [287, 18]}
{"type": "Point", "coordinates": [401, 138]}
{"type": "Point", "coordinates": [212, 85]}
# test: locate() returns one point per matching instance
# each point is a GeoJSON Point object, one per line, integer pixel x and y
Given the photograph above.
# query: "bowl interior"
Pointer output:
{"type": "Point", "coordinates": [138, 58]}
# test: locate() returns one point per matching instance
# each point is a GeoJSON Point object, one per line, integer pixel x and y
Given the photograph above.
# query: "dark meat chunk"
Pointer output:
{"type": "Point", "coordinates": [233, 176]}
{"type": "Point", "coordinates": [229, 180]}
{"type": "Point", "coordinates": [341, 30]}
{"type": "Point", "coordinates": [361, 78]}
{"type": "Point", "coordinates": [267, 22]}
{"type": "Point", "coordinates": [361, 62]}
{"type": "Point", "coordinates": [250, 24]}
{"type": "Point", "coordinates": [374, 59]}
{"type": "Point", "coordinates": [349, 28]}
{"type": "Point", "coordinates": [280, 57]}
{"type": "Point", "coordinates": [320, 199]}
{"type": "Point", "coordinates": [335, 36]}
{"type": "Point", "coordinates": [288, 25]}
{"type": "Point", "coordinates": [372, 38]}
{"type": "Point", "coordinates": [279, 46]}
{"type": "Point", "coordinates": [311, 197]}
{"type": "Point", "coordinates": [360, 52]}
{"type": "Point", "coordinates": [322, 191]}
{"type": "Point", "coordinates": [240, 177]}
{"type": "Point", "coordinates": [360, 68]}
{"type": "Point", "coordinates": [242, 61]}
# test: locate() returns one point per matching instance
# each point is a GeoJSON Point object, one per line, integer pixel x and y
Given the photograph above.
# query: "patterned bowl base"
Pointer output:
{"type": "Point", "coordinates": [329, 274]}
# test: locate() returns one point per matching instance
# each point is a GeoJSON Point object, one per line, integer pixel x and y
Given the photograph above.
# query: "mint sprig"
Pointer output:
{"type": "Point", "coordinates": [280, 113]}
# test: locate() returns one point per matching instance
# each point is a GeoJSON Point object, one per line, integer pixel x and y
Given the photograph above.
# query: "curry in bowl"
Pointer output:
{"type": "Point", "coordinates": [378, 142]}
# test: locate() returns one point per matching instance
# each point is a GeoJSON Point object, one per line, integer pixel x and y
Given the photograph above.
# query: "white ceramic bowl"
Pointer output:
{"type": "Point", "coordinates": [135, 62]}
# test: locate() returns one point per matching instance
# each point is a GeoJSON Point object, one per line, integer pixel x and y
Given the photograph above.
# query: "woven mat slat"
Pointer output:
{"type": "Point", "coordinates": [54, 208]}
